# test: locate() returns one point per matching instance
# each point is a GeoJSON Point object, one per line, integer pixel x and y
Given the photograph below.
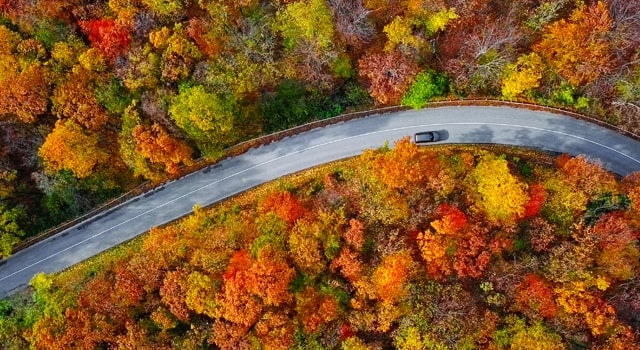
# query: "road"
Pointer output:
{"type": "Point", "coordinates": [502, 125]}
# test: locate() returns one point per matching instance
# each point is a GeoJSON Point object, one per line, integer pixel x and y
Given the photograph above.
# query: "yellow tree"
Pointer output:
{"type": "Point", "coordinates": [522, 76]}
{"type": "Point", "coordinates": [71, 148]}
{"type": "Point", "coordinates": [500, 195]}
{"type": "Point", "coordinates": [179, 53]}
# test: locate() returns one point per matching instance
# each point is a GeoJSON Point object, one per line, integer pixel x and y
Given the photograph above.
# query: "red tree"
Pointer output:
{"type": "Point", "coordinates": [107, 36]}
{"type": "Point", "coordinates": [535, 294]}
{"type": "Point", "coordinates": [284, 204]}
{"type": "Point", "coordinates": [537, 198]}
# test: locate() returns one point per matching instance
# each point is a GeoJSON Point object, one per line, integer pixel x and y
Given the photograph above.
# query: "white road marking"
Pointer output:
{"type": "Point", "coordinates": [297, 152]}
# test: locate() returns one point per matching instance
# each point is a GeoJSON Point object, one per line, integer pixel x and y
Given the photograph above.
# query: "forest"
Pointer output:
{"type": "Point", "coordinates": [98, 96]}
{"type": "Point", "coordinates": [406, 247]}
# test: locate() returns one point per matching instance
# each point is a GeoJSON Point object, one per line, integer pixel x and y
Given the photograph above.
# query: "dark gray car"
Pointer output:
{"type": "Point", "coordinates": [426, 136]}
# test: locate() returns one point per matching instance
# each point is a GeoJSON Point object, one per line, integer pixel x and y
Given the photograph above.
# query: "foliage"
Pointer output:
{"type": "Point", "coordinates": [426, 86]}
{"type": "Point", "coordinates": [179, 53]}
{"type": "Point", "coordinates": [501, 196]}
{"type": "Point", "coordinates": [388, 74]}
{"type": "Point", "coordinates": [326, 266]}
{"type": "Point", "coordinates": [110, 38]}
{"type": "Point", "coordinates": [287, 107]}
{"type": "Point", "coordinates": [307, 20]}
{"type": "Point", "coordinates": [71, 148]}
{"type": "Point", "coordinates": [158, 146]}
{"type": "Point", "coordinates": [578, 48]}
{"type": "Point", "coordinates": [604, 204]}
{"type": "Point", "coordinates": [212, 73]}
{"type": "Point", "coordinates": [11, 232]}
{"type": "Point", "coordinates": [23, 88]}
{"type": "Point", "coordinates": [519, 335]}
{"type": "Point", "coordinates": [439, 20]}
{"type": "Point", "coordinates": [207, 118]}
{"type": "Point", "coordinates": [522, 76]}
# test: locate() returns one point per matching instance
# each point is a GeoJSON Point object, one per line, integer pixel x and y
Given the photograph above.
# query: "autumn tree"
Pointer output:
{"type": "Point", "coordinates": [275, 330]}
{"type": "Point", "coordinates": [75, 99]}
{"type": "Point", "coordinates": [156, 144]}
{"type": "Point", "coordinates": [207, 118]}
{"type": "Point", "coordinates": [106, 35]}
{"type": "Point", "coordinates": [168, 8]}
{"type": "Point", "coordinates": [251, 59]}
{"type": "Point", "coordinates": [306, 20]}
{"type": "Point", "coordinates": [586, 176]}
{"type": "Point", "coordinates": [522, 76]}
{"type": "Point", "coordinates": [229, 335]}
{"type": "Point", "coordinates": [412, 31]}
{"type": "Point", "coordinates": [237, 301]}
{"type": "Point", "coordinates": [269, 277]}
{"type": "Point", "coordinates": [583, 298]}
{"type": "Point", "coordinates": [613, 245]}
{"type": "Point", "coordinates": [403, 166]}
{"type": "Point", "coordinates": [140, 164]}
{"type": "Point", "coordinates": [141, 68]}
{"type": "Point", "coordinates": [70, 147]}
{"type": "Point", "coordinates": [179, 53]}
{"type": "Point", "coordinates": [23, 88]}
{"type": "Point", "coordinates": [542, 234]}
{"type": "Point", "coordinates": [501, 196]}
{"type": "Point", "coordinates": [578, 48]}
{"type": "Point", "coordinates": [306, 249]}
{"type": "Point", "coordinates": [284, 204]}
{"type": "Point", "coordinates": [391, 276]}
{"type": "Point", "coordinates": [308, 33]}
{"type": "Point", "coordinates": [475, 52]}
{"type": "Point", "coordinates": [315, 309]}
{"type": "Point", "coordinates": [535, 295]}
{"type": "Point", "coordinates": [201, 291]}
{"type": "Point", "coordinates": [519, 335]}
{"type": "Point", "coordinates": [537, 198]}
{"type": "Point", "coordinates": [436, 246]}
{"type": "Point", "coordinates": [354, 235]}
{"type": "Point", "coordinates": [209, 38]}
{"type": "Point", "coordinates": [387, 74]}
{"type": "Point", "coordinates": [349, 263]}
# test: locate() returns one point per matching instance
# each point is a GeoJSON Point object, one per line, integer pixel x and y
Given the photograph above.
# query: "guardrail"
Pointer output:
{"type": "Point", "coordinates": [244, 146]}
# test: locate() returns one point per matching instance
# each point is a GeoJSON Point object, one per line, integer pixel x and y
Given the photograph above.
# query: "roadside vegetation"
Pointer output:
{"type": "Point", "coordinates": [410, 248]}
{"type": "Point", "coordinates": [98, 96]}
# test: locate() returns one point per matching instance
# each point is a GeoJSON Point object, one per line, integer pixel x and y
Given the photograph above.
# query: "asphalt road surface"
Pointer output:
{"type": "Point", "coordinates": [502, 125]}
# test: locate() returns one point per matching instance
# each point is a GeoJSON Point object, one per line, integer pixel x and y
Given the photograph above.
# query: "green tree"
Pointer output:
{"type": "Point", "coordinates": [10, 231]}
{"type": "Point", "coordinates": [206, 117]}
{"type": "Point", "coordinates": [426, 86]}
{"type": "Point", "coordinates": [308, 20]}
{"type": "Point", "coordinates": [519, 335]}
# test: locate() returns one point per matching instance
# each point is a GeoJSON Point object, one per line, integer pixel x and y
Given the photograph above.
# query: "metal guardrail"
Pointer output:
{"type": "Point", "coordinates": [244, 146]}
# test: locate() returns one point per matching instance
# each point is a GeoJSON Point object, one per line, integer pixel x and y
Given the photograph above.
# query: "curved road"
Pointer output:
{"type": "Point", "coordinates": [503, 125]}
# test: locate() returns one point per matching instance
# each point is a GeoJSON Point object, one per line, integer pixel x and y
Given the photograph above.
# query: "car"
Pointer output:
{"type": "Point", "coordinates": [426, 136]}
